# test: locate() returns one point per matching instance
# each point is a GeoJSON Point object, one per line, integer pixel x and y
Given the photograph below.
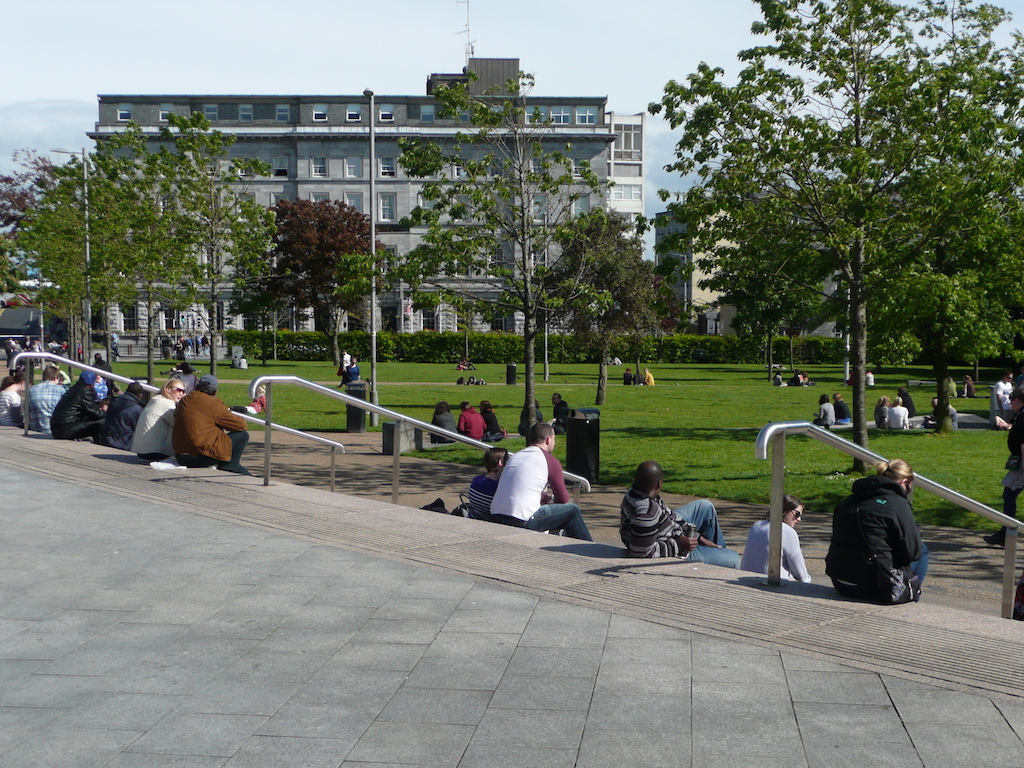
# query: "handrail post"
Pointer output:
{"type": "Point", "coordinates": [334, 465]}
{"type": "Point", "coordinates": [775, 524]}
{"type": "Point", "coordinates": [396, 459]}
{"type": "Point", "coordinates": [1009, 572]}
{"type": "Point", "coordinates": [25, 402]}
{"type": "Point", "coordinates": [267, 431]}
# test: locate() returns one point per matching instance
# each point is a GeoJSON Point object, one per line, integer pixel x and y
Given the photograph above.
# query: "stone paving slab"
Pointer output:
{"type": "Point", "coordinates": [136, 632]}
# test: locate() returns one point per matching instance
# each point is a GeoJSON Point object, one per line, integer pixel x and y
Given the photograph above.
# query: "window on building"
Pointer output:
{"type": "Point", "coordinates": [586, 115]}
{"type": "Point", "coordinates": [540, 209]}
{"type": "Point", "coordinates": [283, 113]}
{"type": "Point", "coordinates": [536, 114]}
{"type": "Point", "coordinates": [245, 113]}
{"type": "Point", "coordinates": [278, 197]}
{"type": "Point", "coordinates": [387, 167]}
{"type": "Point", "coordinates": [354, 113]}
{"type": "Point", "coordinates": [130, 318]}
{"type": "Point", "coordinates": [354, 200]}
{"type": "Point", "coordinates": [318, 166]}
{"type": "Point", "coordinates": [628, 142]}
{"type": "Point", "coordinates": [561, 115]}
{"type": "Point", "coordinates": [280, 166]}
{"type": "Point", "coordinates": [319, 197]}
{"type": "Point", "coordinates": [427, 113]}
{"type": "Point", "coordinates": [319, 113]}
{"type": "Point", "coordinates": [388, 206]}
{"type": "Point", "coordinates": [459, 171]}
{"type": "Point", "coordinates": [581, 206]}
{"type": "Point", "coordinates": [353, 167]}
{"type": "Point", "coordinates": [579, 165]}
{"type": "Point", "coordinates": [210, 112]}
{"type": "Point", "coordinates": [124, 112]}
{"type": "Point", "coordinates": [165, 110]}
{"type": "Point", "coordinates": [211, 168]}
{"type": "Point", "coordinates": [387, 113]}
{"type": "Point", "coordinates": [627, 192]}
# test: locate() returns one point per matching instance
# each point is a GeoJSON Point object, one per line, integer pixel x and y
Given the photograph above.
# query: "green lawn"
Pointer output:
{"type": "Point", "coordinates": [699, 422]}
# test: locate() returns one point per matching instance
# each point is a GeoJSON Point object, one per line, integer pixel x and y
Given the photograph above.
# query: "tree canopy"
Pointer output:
{"type": "Point", "coordinates": [827, 150]}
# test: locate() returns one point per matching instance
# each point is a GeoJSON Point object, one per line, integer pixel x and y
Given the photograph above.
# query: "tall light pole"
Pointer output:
{"type": "Point", "coordinates": [87, 301]}
{"type": "Point", "coordinates": [373, 254]}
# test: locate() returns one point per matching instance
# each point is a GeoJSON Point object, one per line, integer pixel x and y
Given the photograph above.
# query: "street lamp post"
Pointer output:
{"type": "Point", "coordinates": [87, 301]}
{"type": "Point", "coordinates": [373, 254]}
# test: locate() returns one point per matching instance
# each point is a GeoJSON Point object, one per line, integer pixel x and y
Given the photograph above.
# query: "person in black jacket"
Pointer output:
{"type": "Point", "coordinates": [78, 415]}
{"type": "Point", "coordinates": [1013, 481]}
{"type": "Point", "coordinates": [908, 402]}
{"type": "Point", "coordinates": [873, 530]}
{"type": "Point", "coordinates": [122, 416]}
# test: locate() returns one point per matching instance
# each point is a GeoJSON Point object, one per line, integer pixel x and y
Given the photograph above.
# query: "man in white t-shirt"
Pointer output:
{"type": "Point", "coordinates": [1001, 394]}
{"type": "Point", "coordinates": [518, 501]}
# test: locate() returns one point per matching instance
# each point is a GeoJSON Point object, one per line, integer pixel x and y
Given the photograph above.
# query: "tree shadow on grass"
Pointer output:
{"type": "Point", "coordinates": [739, 435]}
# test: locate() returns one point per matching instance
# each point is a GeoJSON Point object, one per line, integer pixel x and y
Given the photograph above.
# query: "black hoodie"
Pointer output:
{"type": "Point", "coordinates": [874, 527]}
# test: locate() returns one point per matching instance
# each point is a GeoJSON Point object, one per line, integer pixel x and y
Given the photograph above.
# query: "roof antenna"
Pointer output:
{"type": "Point", "coordinates": [469, 37]}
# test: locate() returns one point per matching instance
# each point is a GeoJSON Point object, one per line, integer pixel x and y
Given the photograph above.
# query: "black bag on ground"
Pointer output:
{"type": "Point", "coordinates": [437, 505]}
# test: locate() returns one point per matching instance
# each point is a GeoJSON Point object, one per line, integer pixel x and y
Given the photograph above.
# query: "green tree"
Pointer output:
{"type": "Point", "coordinates": [323, 260]}
{"type": "Point", "coordinates": [615, 291]}
{"type": "Point", "coordinates": [222, 227]}
{"type": "Point", "coordinates": [950, 297]}
{"type": "Point", "coordinates": [497, 200]}
{"type": "Point", "coordinates": [814, 144]}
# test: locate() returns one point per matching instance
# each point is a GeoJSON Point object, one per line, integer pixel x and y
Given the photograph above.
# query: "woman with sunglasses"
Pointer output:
{"type": "Point", "coordinates": [876, 552]}
{"type": "Point", "coordinates": [152, 441]}
{"type": "Point", "coordinates": [755, 554]}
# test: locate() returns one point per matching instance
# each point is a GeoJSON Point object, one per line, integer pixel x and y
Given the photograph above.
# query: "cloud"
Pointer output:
{"type": "Point", "coordinates": [42, 125]}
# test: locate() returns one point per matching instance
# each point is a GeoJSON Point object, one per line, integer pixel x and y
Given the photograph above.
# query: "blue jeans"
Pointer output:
{"type": "Point", "coordinates": [920, 567]}
{"type": "Point", "coordinates": [560, 516]}
{"type": "Point", "coordinates": [704, 517]}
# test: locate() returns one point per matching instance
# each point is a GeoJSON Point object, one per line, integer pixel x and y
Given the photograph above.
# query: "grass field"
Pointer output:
{"type": "Point", "coordinates": [699, 422]}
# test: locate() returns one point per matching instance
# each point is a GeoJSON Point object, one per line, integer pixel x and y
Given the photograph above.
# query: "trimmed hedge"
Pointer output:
{"type": "Point", "coordinates": [497, 347]}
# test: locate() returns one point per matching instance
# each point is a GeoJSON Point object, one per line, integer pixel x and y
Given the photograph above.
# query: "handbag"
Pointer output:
{"type": "Point", "coordinates": [1013, 463]}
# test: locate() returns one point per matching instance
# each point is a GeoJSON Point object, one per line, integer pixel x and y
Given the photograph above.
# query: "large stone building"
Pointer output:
{"type": "Point", "coordinates": [318, 148]}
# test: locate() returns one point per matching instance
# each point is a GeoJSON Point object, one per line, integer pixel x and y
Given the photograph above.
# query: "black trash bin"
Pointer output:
{"type": "Point", "coordinates": [510, 374]}
{"type": "Point", "coordinates": [583, 442]}
{"type": "Point", "coordinates": [355, 417]}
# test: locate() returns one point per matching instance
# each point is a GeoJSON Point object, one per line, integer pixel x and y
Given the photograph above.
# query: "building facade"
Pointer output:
{"type": "Point", "coordinates": [318, 148]}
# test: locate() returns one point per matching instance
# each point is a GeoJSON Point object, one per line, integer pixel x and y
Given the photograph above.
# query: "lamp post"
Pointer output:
{"type": "Point", "coordinates": [87, 301]}
{"type": "Point", "coordinates": [373, 254]}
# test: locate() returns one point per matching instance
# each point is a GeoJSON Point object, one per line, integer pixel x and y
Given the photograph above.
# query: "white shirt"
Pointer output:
{"type": "Point", "coordinates": [755, 554]}
{"type": "Point", "coordinates": [1002, 391]}
{"type": "Point", "coordinates": [899, 417]}
{"type": "Point", "coordinates": [153, 431]}
{"type": "Point", "coordinates": [521, 484]}
{"type": "Point", "coordinates": [346, 360]}
{"type": "Point", "coordinates": [10, 409]}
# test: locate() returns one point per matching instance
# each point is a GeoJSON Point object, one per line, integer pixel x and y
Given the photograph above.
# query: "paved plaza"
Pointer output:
{"type": "Point", "coordinates": [199, 619]}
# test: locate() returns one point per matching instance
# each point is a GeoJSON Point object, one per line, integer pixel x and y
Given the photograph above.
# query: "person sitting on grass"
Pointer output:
{"type": "Point", "coordinates": [826, 415]}
{"type": "Point", "coordinates": [648, 528]}
{"type": "Point", "coordinates": [442, 418]}
{"type": "Point", "coordinates": [493, 431]}
{"type": "Point", "coordinates": [843, 415]}
{"type": "Point", "coordinates": [560, 411]}
{"type": "Point", "coordinates": [483, 487]}
{"type": "Point", "coordinates": [471, 423]}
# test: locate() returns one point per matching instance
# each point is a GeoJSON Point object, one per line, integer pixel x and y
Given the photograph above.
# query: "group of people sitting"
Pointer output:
{"type": "Point", "coordinates": [832, 412]}
{"type": "Point", "coordinates": [876, 552]}
{"type": "Point", "coordinates": [636, 379]}
{"type": "Point", "coordinates": [185, 422]}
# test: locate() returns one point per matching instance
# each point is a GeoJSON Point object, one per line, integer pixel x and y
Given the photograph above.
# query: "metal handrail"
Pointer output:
{"type": "Point", "coordinates": [774, 435]}
{"type": "Point", "coordinates": [580, 483]}
{"type": "Point", "coordinates": [266, 423]}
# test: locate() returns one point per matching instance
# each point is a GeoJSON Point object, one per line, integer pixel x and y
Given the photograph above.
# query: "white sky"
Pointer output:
{"type": "Point", "coordinates": [61, 53]}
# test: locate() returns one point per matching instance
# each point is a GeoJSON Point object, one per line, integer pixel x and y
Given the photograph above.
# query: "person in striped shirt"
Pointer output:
{"type": "Point", "coordinates": [649, 528]}
{"type": "Point", "coordinates": [481, 490]}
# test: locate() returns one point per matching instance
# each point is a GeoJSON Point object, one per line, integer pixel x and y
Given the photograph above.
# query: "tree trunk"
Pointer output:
{"type": "Point", "coordinates": [771, 358]}
{"type": "Point", "coordinates": [858, 348]}
{"type": "Point", "coordinates": [602, 379]}
{"type": "Point", "coordinates": [529, 366]}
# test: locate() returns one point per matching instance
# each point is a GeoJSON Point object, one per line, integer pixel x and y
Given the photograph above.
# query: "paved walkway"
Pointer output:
{"type": "Point", "coordinates": [199, 619]}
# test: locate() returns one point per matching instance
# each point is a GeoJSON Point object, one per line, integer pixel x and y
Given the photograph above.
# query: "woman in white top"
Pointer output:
{"type": "Point", "coordinates": [899, 416]}
{"type": "Point", "coordinates": [13, 387]}
{"type": "Point", "coordinates": [755, 554]}
{"type": "Point", "coordinates": [152, 440]}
